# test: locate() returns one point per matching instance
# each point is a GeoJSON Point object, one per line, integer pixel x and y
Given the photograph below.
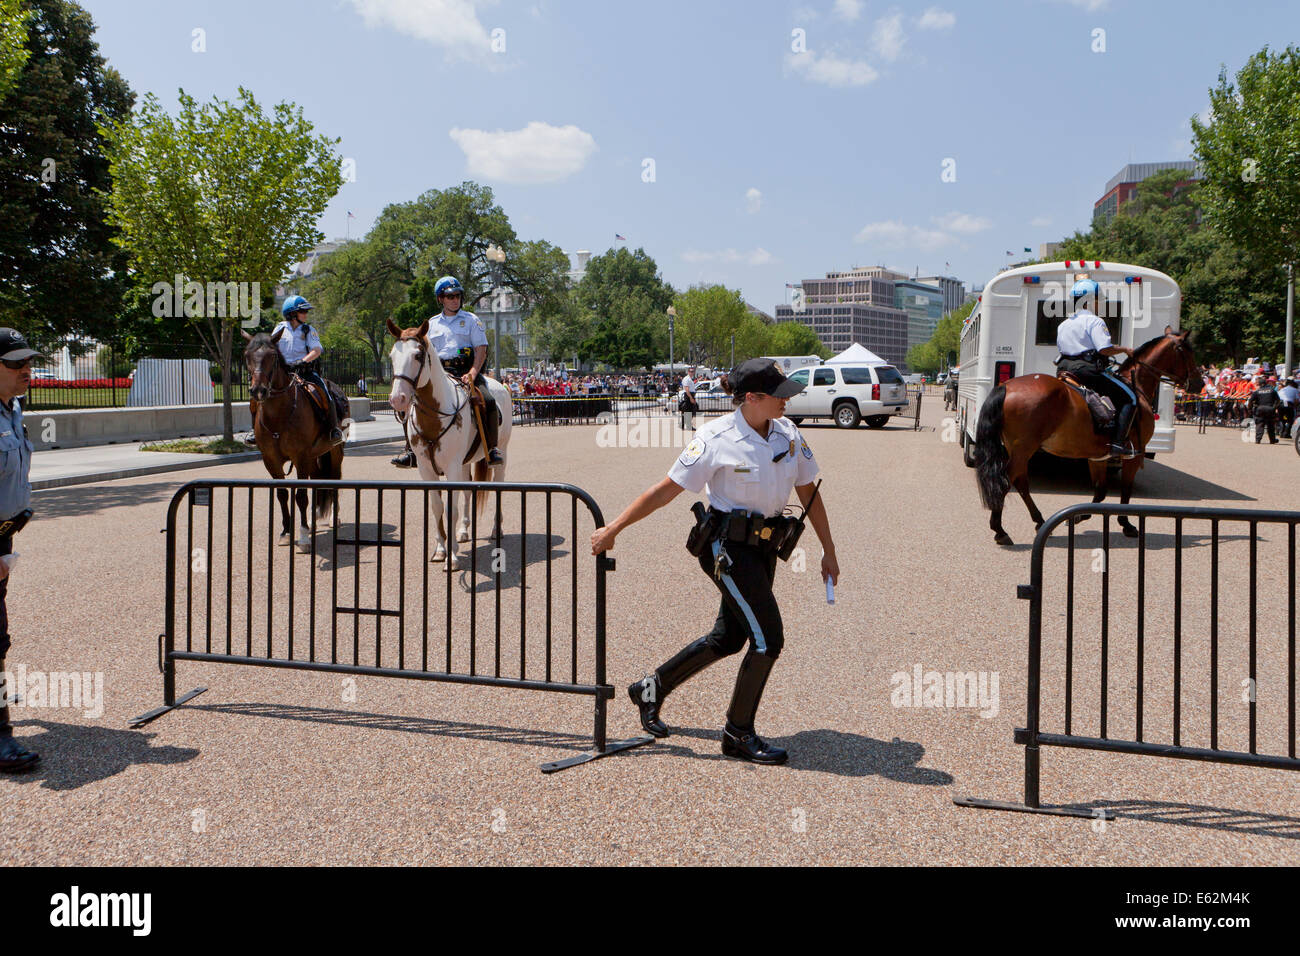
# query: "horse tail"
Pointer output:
{"type": "Point", "coordinates": [482, 472]}
{"type": "Point", "coordinates": [327, 498]}
{"type": "Point", "coordinates": [991, 458]}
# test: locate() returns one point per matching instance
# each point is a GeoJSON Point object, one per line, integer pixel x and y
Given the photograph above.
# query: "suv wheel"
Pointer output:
{"type": "Point", "coordinates": [797, 419]}
{"type": "Point", "coordinates": [847, 415]}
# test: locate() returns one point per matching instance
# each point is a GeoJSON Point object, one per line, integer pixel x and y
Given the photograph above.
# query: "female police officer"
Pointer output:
{"type": "Point", "coordinates": [747, 461]}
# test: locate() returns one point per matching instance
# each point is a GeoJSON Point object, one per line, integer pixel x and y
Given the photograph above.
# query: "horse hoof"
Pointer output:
{"type": "Point", "coordinates": [439, 554]}
{"type": "Point", "coordinates": [462, 536]}
{"type": "Point", "coordinates": [1078, 518]}
{"type": "Point", "coordinates": [1130, 531]}
{"type": "Point", "coordinates": [455, 563]}
{"type": "Point", "coordinates": [286, 538]}
{"type": "Point", "coordinates": [304, 545]}
{"type": "Point", "coordinates": [1003, 539]}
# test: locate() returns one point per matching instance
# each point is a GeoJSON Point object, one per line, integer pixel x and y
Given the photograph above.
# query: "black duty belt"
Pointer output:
{"type": "Point", "coordinates": [11, 526]}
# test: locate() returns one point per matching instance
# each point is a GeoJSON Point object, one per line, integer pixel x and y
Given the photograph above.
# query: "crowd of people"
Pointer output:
{"type": "Point", "coordinates": [564, 382]}
{"type": "Point", "coordinates": [1230, 396]}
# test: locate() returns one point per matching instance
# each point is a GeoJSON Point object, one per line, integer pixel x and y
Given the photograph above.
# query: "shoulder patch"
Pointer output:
{"type": "Point", "coordinates": [693, 452]}
{"type": "Point", "coordinates": [803, 445]}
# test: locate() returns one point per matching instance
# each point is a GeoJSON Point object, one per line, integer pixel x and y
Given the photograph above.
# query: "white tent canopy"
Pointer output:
{"type": "Point", "coordinates": [856, 354]}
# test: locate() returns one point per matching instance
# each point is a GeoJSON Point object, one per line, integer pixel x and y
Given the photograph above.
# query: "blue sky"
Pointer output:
{"type": "Point", "coordinates": [776, 155]}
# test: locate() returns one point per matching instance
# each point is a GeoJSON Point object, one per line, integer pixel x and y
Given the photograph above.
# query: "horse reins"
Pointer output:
{"type": "Point", "coordinates": [1160, 376]}
{"type": "Point", "coordinates": [453, 416]}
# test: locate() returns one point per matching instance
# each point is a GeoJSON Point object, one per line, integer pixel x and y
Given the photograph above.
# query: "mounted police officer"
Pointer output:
{"type": "Point", "coordinates": [460, 341]}
{"type": "Point", "coordinates": [747, 462]}
{"type": "Point", "coordinates": [301, 349]}
{"type": "Point", "coordinates": [1084, 343]}
{"type": "Point", "coordinates": [15, 509]}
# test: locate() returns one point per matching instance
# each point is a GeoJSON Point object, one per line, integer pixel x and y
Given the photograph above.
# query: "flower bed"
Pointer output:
{"type": "Point", "coordinates": [82, 383]}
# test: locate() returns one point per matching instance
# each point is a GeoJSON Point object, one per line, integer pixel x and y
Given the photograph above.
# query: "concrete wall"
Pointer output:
{"type": "Point", "coordinates": [108, 426]}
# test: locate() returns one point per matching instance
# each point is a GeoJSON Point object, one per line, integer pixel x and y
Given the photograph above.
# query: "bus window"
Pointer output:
{"type": "Point", "coordinates": [1050, 317]}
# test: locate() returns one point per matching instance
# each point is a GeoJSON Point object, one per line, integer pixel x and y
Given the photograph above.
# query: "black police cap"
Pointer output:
{"type": "Point", "coordinates": [761, 375]}
{"type": "Point", "coordinates": [14, 347]}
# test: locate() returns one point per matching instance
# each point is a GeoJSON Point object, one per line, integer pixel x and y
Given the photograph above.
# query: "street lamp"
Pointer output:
{"type": "Point", "coordinates": [496, 257]}
{"type": "Point", "coordinates": [672, 365]}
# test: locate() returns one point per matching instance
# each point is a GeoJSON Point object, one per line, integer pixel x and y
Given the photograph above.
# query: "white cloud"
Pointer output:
{"type": "Point", "coordinates": [1039, 222]}
{"type": "Point", "coordinates": [848, 9]}
{"type": "Point", "coordinates": [832, 70]}
{"type": "Point", "coordinates": [452, 25]}
{"type": "Point", "coordinates": [1088, 6]}
{"type": "Point", "coordinates": [887, 38]}
{"type": "Point", "coordinates": [936, 19]}
{"type": "Point", "coordinates": [538, 153]}
{"type": "Point", "coordinates": [894, 234]}
{"type": "Point", "coordinates": [753, 199]}
{"type": "Point", "coordinates": [754, 257]}
{"type": "Point", "coordinates": [961, 222]}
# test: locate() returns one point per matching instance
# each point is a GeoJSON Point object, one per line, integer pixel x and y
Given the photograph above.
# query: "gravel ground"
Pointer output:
{"type": "Point", "coordinates": [284, 767]}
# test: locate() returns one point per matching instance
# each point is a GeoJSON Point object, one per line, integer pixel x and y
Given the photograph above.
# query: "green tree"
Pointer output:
{"type": "Point", "coordinates": [558, 327]}
{"type": "Point", "coordinates": [60, 273]}
{"type": "Point", "coordinates": [933, 356]}
{"type": "Point", "coordinates": [795, 338]}
{"type": "Point", "coordinates": [1250, 156]}
{"type": "Point", "coordinates": [707, 317]}
{"type": "Point", "coordinates": [358, 288]}
{"type": "Point", "coordinates": [14, 19]}
{"type": "Point", "coordinates": [753, 338]}
{"type": "Point", "coordinates": [626, 300]}
{"type": "Point", "coordinates": [221, 193]}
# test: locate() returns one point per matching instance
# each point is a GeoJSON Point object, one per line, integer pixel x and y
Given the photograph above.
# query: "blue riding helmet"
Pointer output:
{"type": "Point", "coordinates": [447, 284]}
{"type": "Point", "coordinates": [1084, 287]}
{"type": "Point", "coordinates": [295, 303]}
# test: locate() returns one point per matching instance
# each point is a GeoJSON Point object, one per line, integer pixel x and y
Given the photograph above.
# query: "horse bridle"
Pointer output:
{"type": "Point", "coordinates": [1165, 376]}
{"type": "Point", "coordinates": [453, 416]}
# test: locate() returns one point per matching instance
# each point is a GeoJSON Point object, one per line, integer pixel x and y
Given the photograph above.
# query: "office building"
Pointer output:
{"type": "Point", "coordinates": [1123, 185]}
{"type": "Point", "coordinates": [952, 288]}
{"type": "Point", "coordinates": [923, 304]}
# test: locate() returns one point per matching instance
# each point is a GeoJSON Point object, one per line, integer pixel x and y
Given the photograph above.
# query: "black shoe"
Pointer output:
{"type": "Point", "coordinates": [406, 460]}
{"type": "Point", "coordinates": [747, 745]}
{"type": "Point", "coordinates": [14, 757]}
{"type": "Point", "coordinates": [336, 436]}
{"type": "Point", "coordinates": [494, 457]}
{"type": "Point", "coordinates": [649, 709]}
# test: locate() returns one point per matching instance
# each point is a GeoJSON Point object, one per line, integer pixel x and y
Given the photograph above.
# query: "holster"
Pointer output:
{"type": "Point", "coordinates": [11, 526]}
{"type": "Point", "coordinates": [704, 531]}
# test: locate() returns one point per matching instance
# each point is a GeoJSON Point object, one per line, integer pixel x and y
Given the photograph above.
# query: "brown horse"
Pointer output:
{"type": "Point", "coordinates": [1040, 411]}
{"type": "Point", "coordinates": [289, 432]}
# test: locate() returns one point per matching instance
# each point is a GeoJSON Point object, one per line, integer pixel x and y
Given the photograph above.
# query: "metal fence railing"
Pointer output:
{"type": "Point", "coordinates": [370, 593]}
{"type": "Point", "coordinates": [1180, 643]}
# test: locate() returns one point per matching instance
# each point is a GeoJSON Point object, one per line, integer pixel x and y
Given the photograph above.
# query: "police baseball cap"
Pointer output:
{"type": "Point", "coordinates": [14, 348]}
{"type": "Point", "coordinates": [761, 375]}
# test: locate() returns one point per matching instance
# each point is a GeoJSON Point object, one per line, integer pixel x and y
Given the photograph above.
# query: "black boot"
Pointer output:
{"type": "Point", "coordinates": [13, 755]}
{"type": "Point", "coordinates": [649, 692]}
{"type": "Point", "coordinates": [738, 738]}
{"type": "Point", "coordinates": [406, 459]}
{"type": "Point", "coordinates": [1120, 447]}
{"type": "Point", "coordinates": [491, 426]}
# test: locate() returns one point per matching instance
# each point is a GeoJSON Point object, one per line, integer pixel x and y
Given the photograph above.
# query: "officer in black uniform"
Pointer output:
{"type": "Point", "coordinates": [747, 462]}
{"type": "Point", "coordinates": [15, 508]}
{"type": "Point", "coordinates": [1263, 406]}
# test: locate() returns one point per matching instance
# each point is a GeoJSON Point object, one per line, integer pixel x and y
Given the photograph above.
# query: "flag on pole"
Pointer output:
{"type": "Point", "coordinates": [350, 216]}
{"type": "Point", "coordinates": [1010, 253]}
{"type": "Point", "coordinates": [1027, 249]}
{"type": "Point", "coordinates": [618, 238]}
{"type": "Point", "coordinates": [947, 266]}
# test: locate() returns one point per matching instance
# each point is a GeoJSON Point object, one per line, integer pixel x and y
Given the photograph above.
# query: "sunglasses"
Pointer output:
{"type": "Point", "coordinates": [16, 364]}
{"type": "Point", "coordinates": [450, 295]}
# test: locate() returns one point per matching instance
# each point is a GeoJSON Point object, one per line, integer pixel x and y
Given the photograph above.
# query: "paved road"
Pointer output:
{"type": "Point", "coordinates": [282, 767]}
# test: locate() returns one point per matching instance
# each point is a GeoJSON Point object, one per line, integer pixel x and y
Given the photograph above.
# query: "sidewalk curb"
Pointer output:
{"type": "Point", "coordinates": [202, 461]}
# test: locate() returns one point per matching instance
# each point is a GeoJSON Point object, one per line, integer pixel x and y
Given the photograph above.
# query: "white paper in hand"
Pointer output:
{"type": "Point", "coordinates": [9, 560]}
{"type": "Point", "coordinates": [830, 591]}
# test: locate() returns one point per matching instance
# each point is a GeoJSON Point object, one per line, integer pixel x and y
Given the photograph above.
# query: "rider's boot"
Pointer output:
{"type": "Point", "coordinates": [13, 755]}
{"type": "Point", "coordinates": [251, 438]}
{"type": "Point", "coordinates": [490, 428]}
{"type": "Point", "coordinates": [1120, 446]}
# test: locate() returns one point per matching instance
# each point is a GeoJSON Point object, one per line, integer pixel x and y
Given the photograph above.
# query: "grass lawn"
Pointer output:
{"type": "Point", "coordinates": [197, 446]}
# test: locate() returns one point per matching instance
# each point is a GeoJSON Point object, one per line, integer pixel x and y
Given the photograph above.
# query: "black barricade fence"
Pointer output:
{"type": "Point", "coordinates": [1179, 643]}
{"type": "Point", "coordinates": [523, 610]}
{"type": "Point", "coordinates": [560, 409]}
{"type": "Point", "coordinates": [912, 409]}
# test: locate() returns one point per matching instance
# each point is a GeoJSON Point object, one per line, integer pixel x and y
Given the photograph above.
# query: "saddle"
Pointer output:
{"type": "Point", "coordinates": [1101, 407]}
{"type": "Point", "coordinates": [322, 401]}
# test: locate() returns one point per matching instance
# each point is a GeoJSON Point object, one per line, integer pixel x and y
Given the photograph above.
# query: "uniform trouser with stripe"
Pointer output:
{"type": "Point", "coordinates": [748, 615]}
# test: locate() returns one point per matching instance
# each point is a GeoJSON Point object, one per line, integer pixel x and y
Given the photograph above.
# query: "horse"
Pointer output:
{"type": "Point", "coordinates": [1030, 412]}
{"type": "Point", "coordinates": [289, 433]}
{"type": "Point", "coordinates": [443, 430]}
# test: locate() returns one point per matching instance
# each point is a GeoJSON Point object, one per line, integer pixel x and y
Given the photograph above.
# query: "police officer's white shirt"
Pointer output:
{"type": "Point", "coordinates": [1081, 332]}
{"type": "Point", "coordinates": [294, 346]}
{"type": "Point", "coordinates": [448, 334]}
{"type": "Point", "coordinates": [688, 385]}
{"type": "Point", "coordinates": [1288, 394]}
{"type": "Point", "coordinates": [733, 463]}
{"type": "Point", "coordinates": [15, 461]}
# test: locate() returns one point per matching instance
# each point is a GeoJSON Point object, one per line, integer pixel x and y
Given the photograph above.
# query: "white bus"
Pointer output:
{"type": "Point", "coordinates": [1012, 331]}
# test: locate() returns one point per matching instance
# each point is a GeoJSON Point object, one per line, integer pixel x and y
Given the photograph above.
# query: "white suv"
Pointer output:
{"type": "Point", "coordinates": [848, 393]}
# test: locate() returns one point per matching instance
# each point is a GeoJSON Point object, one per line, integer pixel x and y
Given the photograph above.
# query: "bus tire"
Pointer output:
{"type": "Point", "coordinates": [967, 450]}
{"type": "Point", "coordinates": [847, 415]}
{"type": "Point", "coordinates": [796, 419]}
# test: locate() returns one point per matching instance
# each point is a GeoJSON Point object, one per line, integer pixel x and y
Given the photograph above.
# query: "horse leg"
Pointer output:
{"type": "Point", "coordinates": [1019, 473]}
{"type": "Point", "coordinates": [1097, 471]}
{"type": "Point", "coordinates": [1128, 474]}
{"type": "Point", "coordinates": [286, 518]}
{"type": "Point", "coordinates": [467, 503]}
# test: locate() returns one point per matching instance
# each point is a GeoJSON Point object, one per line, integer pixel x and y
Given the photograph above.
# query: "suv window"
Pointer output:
{"type": "Point", "coordinates": [824, 376]}
{"type": "Point", "coordinates": [800, 376]}
{"type": "Point", "coordinates": [888, 375]}
{"type": "Point", "coordinates": [857, 376]}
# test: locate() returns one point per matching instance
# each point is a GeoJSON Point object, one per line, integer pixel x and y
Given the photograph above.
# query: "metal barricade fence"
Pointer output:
{"type": "Point", "coordinates": [520, 612]}
{"type": "Point", "coordinates": [1223, 660]}
{"type": "Point", "coordinates": [912, 409]}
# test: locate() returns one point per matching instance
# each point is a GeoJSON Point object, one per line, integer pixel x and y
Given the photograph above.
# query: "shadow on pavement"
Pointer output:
{"type": "Point", "coordinates": [88, 499]}
{"type": "Point", "coordinates": [1155, 484]}
{"type": "Point", "coordinates": [73, 755]}
{"type": "Point", "coordinates": [1203, 817]}
{"type": "Point", "coordinates": [1086, 540]}
{"type": "Point", "coordinates": [409, 725]}
{"type": "Point", "coordinates": [827, 751]}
